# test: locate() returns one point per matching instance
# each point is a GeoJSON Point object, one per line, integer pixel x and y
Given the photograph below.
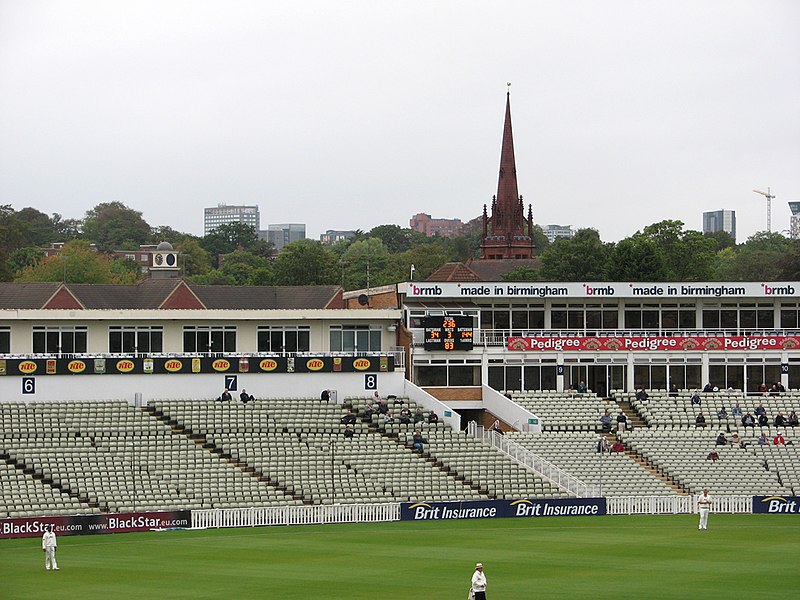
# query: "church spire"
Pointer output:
{"type": "Point", "coordinates": [509, 234]}
{"type": "Point", "coordinates": [507, 191]}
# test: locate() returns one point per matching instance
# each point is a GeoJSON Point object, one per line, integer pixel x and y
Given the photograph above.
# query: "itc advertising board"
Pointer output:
{"type": "Point", "coordinates": [700, 343]}
{"type": "Point", "coordinates": [95, 523]}
{"type": "Point", "coordinates": [497, 509]}
{"type": "Point", "coordinates": [475, 290]}
{"type": "Point", "coordinates": [189, 364]}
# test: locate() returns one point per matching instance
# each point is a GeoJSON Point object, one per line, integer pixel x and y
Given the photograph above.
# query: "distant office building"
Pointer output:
{"type": "Point", "coordinates": [794, 224]}
{"type": "Point", "coordinates": [553, 232]}
{"type": "Point", "coordinates": [332, 236]}
{"type": "Point", "coordinates": [280, 234]}
{"type": "Point", "coordinates": [720, 220]}
{"type": "Point", "coordinates": [443, 227]}
{"type": "Point", "coordinates": [223, 214]}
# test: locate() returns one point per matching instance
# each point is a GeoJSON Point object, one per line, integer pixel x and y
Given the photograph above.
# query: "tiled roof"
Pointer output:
{"type": "Point", "coordinates": [151, 294]}
{"type": "Point", "coordinates": [26, 295]}
{"type": "Point", "coordinates": [266, 297]}
{"type": "Point", "coordinates": [454, 272]}
{"type": "Point", "coordinates": [493, 270]}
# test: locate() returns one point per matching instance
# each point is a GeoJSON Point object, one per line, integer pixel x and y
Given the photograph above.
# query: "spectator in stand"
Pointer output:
{"type": "Point", "coordinates": [433, 417]}
{"type": "Point", "coordinates": [775, 389]}
{"type": "Point", "coordinates": [582, 389]}
{"type": "Point", "coordinates": [781, 389]}
{"type": "Point", "coordinates": [700, 420]}
{"type": "Point", "coordinates": [762, 389]}
{"type": "Point", "coordinates": [760, 410]}
{"type": "Point", "coordinates": [617, 447]}
{"type": "Point", "coordinates": [736, 441]}
{"type": "Point", "coordinates": [748, 420]}
{"type": "Point", "coordinates": [348, 431]}
{"type": "Point", "coordinates": [388, 418]}
{"type": "Point", "coordinates": [419, 416]}
{"type": "Point", "coordinates": [793, 419]}
{"type": "Point", "coordinates": [419, 440]}
{"type": "Point", "coordinates": [763, 440]}
{"type": "Point", "coordinates": [383, 406]}
{"type": "Point", "coordinates": [370, 409]}
{"type": "Point", "coordinates": [780, 420]}
{"type": "Point", "coordinates": [709, 388]}
{"type": "Point", "coordinates": [405, 416]}
{"type": "Point", "coordinates": [642, 395]}
{"type": "Point", "coordinates": [763, 420]}
{"type": "Point", "coordinates": [737, 410]}
{"type": "Point", "coordinates": [225, 396]}
{"type": "Point", "coordinates": [605, 421]}
{"type": "Point", "coordinates": [245, 397]}
{"type": "Point", "coordinates": [721, 439]}
{"type": "Point", "coordinates": [325, 396]}
{"type": "Point", "coordinates": [779, 440]}
{"type": "Point", "coordinates": [722, 413]}
{"type": "Point", "coordinates": [695, 399]}
{"type": "Point", "coordinates": [496, 427]}
{"type": "Point", "coordinates": [603, 445]}
{"type": "Point", "coordinates": [348, 419]}
{"type": "Point", "coordinates": [673, 390]}
{"type": "Point", "coordinates": [622, 421]}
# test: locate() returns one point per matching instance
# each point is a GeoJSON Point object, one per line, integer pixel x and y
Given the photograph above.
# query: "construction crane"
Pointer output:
{"type": "Point", "coordinates": [768, 195]}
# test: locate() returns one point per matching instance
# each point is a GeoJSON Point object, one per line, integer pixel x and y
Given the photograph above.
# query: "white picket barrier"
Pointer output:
{"type": "Point", "coordinates": [387, 512]}
{"type": "Point", "coordinates": [295, 515]}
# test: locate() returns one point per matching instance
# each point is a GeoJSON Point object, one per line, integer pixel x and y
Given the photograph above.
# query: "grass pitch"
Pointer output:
{"type": "Point", "coordinates": [739, 556]}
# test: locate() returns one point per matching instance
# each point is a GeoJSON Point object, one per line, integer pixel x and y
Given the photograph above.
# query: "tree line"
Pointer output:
{"type": "Point", "coordinates": [232, 254]}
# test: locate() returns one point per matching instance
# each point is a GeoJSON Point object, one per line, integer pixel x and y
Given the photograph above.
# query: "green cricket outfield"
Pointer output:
{"type": "Point", "coordinates": [739, 556]}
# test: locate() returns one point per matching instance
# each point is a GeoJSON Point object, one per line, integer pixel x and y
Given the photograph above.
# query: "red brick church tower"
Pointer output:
{"type": "Point", "coordinates": [507, 234]}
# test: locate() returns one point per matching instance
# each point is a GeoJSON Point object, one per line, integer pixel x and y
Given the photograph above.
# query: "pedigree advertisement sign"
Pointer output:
{"type": "Point", "coordinates": [652, 344]}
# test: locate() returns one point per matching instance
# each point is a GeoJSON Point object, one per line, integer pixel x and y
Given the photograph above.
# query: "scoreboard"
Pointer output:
{"type": "Point", "coordinates": [448, 333]}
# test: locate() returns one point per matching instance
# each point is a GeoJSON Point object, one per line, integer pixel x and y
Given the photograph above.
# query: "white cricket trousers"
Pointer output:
{"type": "Point", "coordinates": [50, 558]}
{"type": "Point", "coordinates": [704, 518]}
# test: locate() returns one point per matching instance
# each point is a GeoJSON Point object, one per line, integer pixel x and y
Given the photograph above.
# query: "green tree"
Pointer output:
{"type": "Point", "coordinates": [760, 258]}
{"type": "Point", "coordinates": [77, 263]}
{"type": "Point", "coordinates": [192, 257]}
{"type": "Point", "coordinates": [240, 267]}
{"type": "Point", "coordinates": [114, 226]}
{"type": "Point", "coordinates": [40, 230]}
{"type": "Point", "coordinates": [723, 239]}
{"type": "Point", "coordinates": [637, 258]}
{"type": "Point", "coordinates": [364, 263]}
{"type": "Point", "coordinates": [688, 255]}
{"type": "Point", "coordinates": [523, 274]}
{"type": "Point", "coordinates": [582, 258]}
{"type": "Point", "coordinates": [126, 270]}
{"type": "Point", "coordinates": [66, 229]}
{"type": "Point", "coordinates": [395, 238]}
{"type": "Point", "coordinates": [306, 262]}
{"type": "Point", "coordinates": [228, 237]}
{"type": "Point", "coordinates": [21, 258]}
{"type": "Point", "coordinates": [12, 237]}
{"type": "Point", "coordinates": [426, 258]}
{"type": "Point", "coordinates": [540, 240]}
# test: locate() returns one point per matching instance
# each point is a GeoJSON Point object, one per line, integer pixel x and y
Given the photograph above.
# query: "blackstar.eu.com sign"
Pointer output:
{"type": "Point", "coordinates": [752, 289]}
{"type": "Point", "coordinates": [491, 509]}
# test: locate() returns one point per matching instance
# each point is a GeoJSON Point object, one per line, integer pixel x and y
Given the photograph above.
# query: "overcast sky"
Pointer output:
{"type": "Point", "coordinates": [346, 115]}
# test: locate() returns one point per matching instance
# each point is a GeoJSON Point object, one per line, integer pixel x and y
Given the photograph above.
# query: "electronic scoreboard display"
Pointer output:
{"type": "Point", "coordinates": [448, 333]}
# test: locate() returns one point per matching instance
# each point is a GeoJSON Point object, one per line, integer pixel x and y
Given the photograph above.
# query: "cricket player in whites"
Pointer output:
{"type": "Point", "coordinates": [49, 545]}
{"type": "Point", "coordinates": [704, 507]}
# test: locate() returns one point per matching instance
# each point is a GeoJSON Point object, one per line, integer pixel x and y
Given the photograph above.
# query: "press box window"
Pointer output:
{"type": "Point", "coordinates": [284, 339]}
{"type": "Point", "coordinates": [130, 340]}
{"type": "Point", "coordinates": [355, 338]}
{"type": "Point", "coordinates": [209, 339]}
{"type": "Point", "coordinates": [59, 340]}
